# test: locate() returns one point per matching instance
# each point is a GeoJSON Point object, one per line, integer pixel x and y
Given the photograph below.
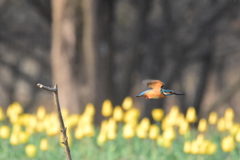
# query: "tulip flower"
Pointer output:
{"type": "Point", "coordinates": [229, 114]}
{"type": "Point", "coordinates": [14, 140]}
{"type": "Point", "coordinates": [128, 131]}
{"type": "Point", "coordinates": [90, 109]}
{"type": "Point", "coordinates": [202, 126]}
{"type": "Point", "coordinates": [153, 132]}
{"type": "Point", "coordinates": [118, 114]}
{"type": "Point", "coordinates": [101, 139]}
{"type": "Point", "coordinates": [213, 117]}
{"type": "Point", "coordinates": [78, 134]}
{"type": "Point", "coordinates": [191, 115]}
{"type": "Point", "coordinates": [221, 125]}
{"type": "Point", "coordinates": [23, 137]}
{"type": "Point", "coordinates": [183, 127]}
{"type": "Point", "coordinates": [169, 133]}
{"type": "Point", "coordinates": [187, 147]}
{"type": "Point", "coordinates": [30, 150]}
{"type": "Point", "coordinates": [107, 108]}
{"type": "Point", "coordinates": [41, 113]}
{"type": "Point", "coordinates": [145, 124]}
{"type": "Point", "coordinates": [127, 103]}
{"type": "Point", "coordinates": [131, 114]}
{"type": "Point", "coordinates": [4, 132]}
{"type": "Point", "coordinates": [140, 132]}
{"type": "Point", "coordinates": [228, 144]}
{"type": "Point", "coordinates": [237, 137]}
{"type": "Point", "coordinates": [44, 144]}
{"type": "Point", "coordinates": [157, 114]}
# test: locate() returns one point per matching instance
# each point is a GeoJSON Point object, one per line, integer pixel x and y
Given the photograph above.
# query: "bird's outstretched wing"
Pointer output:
{"type": "Point", "coordinates": [154, 84]}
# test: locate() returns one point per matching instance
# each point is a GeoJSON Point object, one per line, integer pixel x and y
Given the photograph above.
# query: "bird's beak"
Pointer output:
{"type": "Point", "coordinates": [178, 93]}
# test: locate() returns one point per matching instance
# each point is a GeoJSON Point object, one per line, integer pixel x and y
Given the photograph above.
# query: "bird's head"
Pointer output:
{"type": "Point", "coordinates": [167, 92]}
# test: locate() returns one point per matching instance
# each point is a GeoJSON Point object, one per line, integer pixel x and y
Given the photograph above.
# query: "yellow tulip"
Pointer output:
{"type": "Point", "coordinates": [141, 133]}
{"type": "Point", "coordinates": [16, 128]}
{"type": "Point", "coordinates": [229, 114]}
{"type": "Point", "coordinates": [40, 127]}
{"type": "Point", "coordinates": [71, 121]}
{"type": "Point", "coordinates": [180, 119]}
{"type": "Point", "coordinates": [233, 130]}
{"type": "Point", "coordinates": [78, 134]}
{"type": "Point", "coordinates": [131, 114]}
{"type": "Point", "coordinates": [14, 118]}
{"type": "Point", "coordinates": [228, 124]}
{"type": "Point", "coordinates": [167, 143]}
{"type": "Point", "coordinates": [14, 139]}
{"type": "Point", "coordinates": [41, 113]}
{"type": "Point", "coordinates": [127, 103]}
{"type": "Point", "coordinates": [4, 132]}
{"type": "Point", "coordinates": [44, 144]}
{"type": "Point", "coordinates": [211, 149]}
{"type": "Point", "coordinates": [221, 125]}
{"type": "Point", "coordinates": [145, 124]}
{"type": "Point", "coordinates": [107, 108]}
{"type": "Point", "coordinates": [30, 150]}
{"type": "Point", "coordinates": [14, 108]}
{"type": "Point", "coordinates": [128, 131]}
{"type": "Point", "coordinates": [90, 109]}
{"type": "Point", "coordinates": [111, 134]}
{"type": "Point", "coordinates": [195, 147]}
{"type": "Point", "coordinates": [153, 132]}
{"type": "Point", "coordinates": [199, 138]}
{"type": "Point", "coordinates": [118, 114]}
{"type": "Point", "coordinates": [104, 126]}
{"type": "Point", "coordinates": [101, 139]}
{"type": "Point", "coordinates": [2, 115]}
{"type": "Point", "coordinates": [169, 133]}
{"type": "Point", "coordinates": [213, 117]}
{"type": "Point", "coordinates": [202, 126]}
{"type": "Point", "coordinates": [237, 137]}
{"type": "Point", "coordinates": [183, 127]}
{"type": "Point", "coordinates": [174, 112]}
{"type": "Point", "coordinates": [191, 115]}
{"type": "Point", "coordinates": [187, 147]}
{"type": "Point", "coordinates": [88, 130]}
{"type": "Point", "coordinates": [112, 124]}
{"type": "Point", "coordinates": [228, 144]}
{"type": "Point", "coordinates": [157, 114]}
{"type": "Point", "coordinates": [161, 141]}
{"type": "Point", "coordinates": [203, 147]}
{"type": "Point", "coordinates": [23, 137]}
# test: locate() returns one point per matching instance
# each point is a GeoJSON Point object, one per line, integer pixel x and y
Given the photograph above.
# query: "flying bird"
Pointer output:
{"type": "Point", "coordinates": [156, 90]}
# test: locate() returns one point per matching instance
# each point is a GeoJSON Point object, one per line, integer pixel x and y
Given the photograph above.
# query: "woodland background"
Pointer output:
{"type": "Point", "coordinates": [103, 49]}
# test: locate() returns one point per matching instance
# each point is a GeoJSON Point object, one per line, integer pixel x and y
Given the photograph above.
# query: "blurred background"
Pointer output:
{"type": "Point", "coordinates": [103, 49]}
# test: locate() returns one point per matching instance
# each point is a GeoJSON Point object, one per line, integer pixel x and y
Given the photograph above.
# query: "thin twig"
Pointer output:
{"type": "Point", "coordinates": [63, 128]}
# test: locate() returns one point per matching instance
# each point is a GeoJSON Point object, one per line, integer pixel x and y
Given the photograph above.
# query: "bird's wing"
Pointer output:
{"type": "Point", "coordinates": [154, 84]}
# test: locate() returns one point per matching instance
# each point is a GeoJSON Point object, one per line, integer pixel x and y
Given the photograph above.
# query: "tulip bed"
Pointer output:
{"type": "Point", "coordinates": [121, 136]}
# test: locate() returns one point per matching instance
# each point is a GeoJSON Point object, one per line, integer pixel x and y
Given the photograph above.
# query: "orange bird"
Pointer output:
{"type": "Point", "coordinates": [156, 90]}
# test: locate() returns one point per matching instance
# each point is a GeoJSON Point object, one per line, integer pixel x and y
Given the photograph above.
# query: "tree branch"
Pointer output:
{"type": "Point", "coordinates": [63, 128]}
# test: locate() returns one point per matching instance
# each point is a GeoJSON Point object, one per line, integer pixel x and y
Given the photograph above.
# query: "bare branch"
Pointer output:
{"type": "Point", "coordinates": [63, 128]}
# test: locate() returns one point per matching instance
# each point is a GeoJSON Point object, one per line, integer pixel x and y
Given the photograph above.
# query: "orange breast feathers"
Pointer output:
{"type": "Point", "coordinates": [154, 94]}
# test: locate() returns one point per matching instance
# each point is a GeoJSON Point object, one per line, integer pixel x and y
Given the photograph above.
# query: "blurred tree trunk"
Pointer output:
{"type": "Point", "coordinates": [97, 52]}
{"type": "Point", "coordinates": [63, 52]}
{"type": "Point", "coordinates": [88, 76]}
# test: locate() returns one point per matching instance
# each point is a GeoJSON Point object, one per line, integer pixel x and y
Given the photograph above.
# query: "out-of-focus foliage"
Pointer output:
{"type": "Point", "coordinates": [118, 136]}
